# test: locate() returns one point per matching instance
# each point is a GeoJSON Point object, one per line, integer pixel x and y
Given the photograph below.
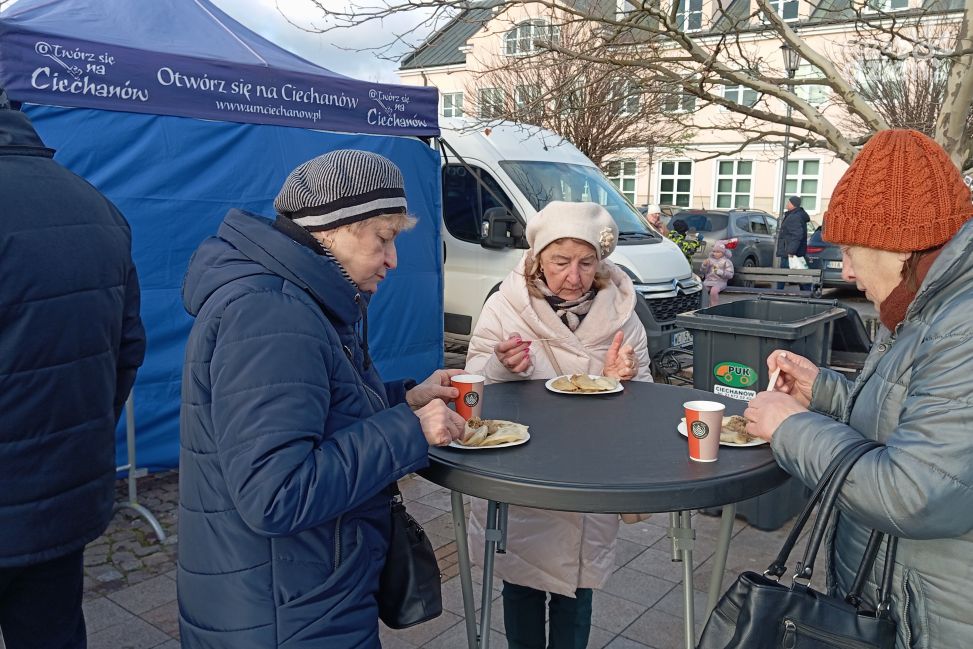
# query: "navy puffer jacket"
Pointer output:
{"type": "Point", "coordinates": [289, 445]}
{"type": "Point", "coordinates": [71, 341]}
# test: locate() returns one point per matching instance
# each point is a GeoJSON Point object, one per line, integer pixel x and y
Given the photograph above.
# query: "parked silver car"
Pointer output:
{"type": "Point", "coordinates": [749, 234]}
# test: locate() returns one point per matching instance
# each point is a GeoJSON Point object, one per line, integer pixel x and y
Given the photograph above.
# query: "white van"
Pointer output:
{"type": "Point", "coordinates": [496, 178]}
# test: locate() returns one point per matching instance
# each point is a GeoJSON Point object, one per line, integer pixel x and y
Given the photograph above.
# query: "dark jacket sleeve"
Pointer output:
{"type": "Point", "coordinates": [395, 390]}
{"type": "Point", "coordinates": [274, 372]}
{"type": "Point", "coordinates": [792, 232]}
{"type": "Point", "coordinates": [131, 352]}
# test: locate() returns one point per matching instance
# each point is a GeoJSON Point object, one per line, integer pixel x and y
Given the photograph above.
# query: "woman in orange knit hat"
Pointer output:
{"type": "Point", "coordinates": [901, 214]}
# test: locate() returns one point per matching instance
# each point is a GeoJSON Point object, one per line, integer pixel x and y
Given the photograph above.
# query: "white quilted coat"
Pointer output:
{"type": "Point", "coordinates": [556, 552]}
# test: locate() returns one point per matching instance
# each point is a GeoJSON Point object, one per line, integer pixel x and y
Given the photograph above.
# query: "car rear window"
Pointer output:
{"type": "Point", "coordinates": [702, 221]}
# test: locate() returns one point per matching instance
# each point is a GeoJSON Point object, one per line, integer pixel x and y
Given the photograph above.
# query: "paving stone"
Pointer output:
{"type": "Point", "coordinates": [422, 512]}
{"type": "Point", "coordinates": [621, 642]}
{"type": "Point", "coordinates": [170, 644]}
{"type": "Point", "coordinates": [455, 638]}
{"type": "Point", "coordinates": [146, 596]}
{"type": "Point", "coordinates": [143, 550]}
{"type": "Point", "coordinates": [130, 634]}
{"type": "Point", "coordinates": [599, 638]}
{"type": "Point", "coordinates": [642, 534]}
{"type": "Point", "coordinates": [657, 630]}
{"type": "Point", "coordinates": [165, 618]}
{"type": "Point", "coordinates": [673, 604]}
{"type": "Point", "coordinates": [101, 613]}
{"type": "Point", "coordinates": [637, 586]}
{"type": "Point", "coordinates": [613, 613]}
{"type": "Point", "coordinates": [106, 573]}
{"type": "Point", "coordinates": [421, 634]}
{"type": "Point", "coordinates": [440, 499]}
{"type": "Point", "coordinates": [414, 487]}
{"type": "Point", "coordinates": [129, 565]}
{"type": "Point", "coordinates": [625, 551]}
{"type": "Point", "coordinates": [658, 564]}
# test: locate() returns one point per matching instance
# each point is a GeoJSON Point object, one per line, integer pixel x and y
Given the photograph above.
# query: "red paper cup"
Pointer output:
{"type": "Point", "coordinates": [704, 421]}
{"type": "Point", "coordinates": [469, 403]}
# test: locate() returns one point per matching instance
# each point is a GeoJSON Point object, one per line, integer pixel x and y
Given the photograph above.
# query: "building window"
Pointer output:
{"type": "Point", "coordinates": [786, 9]}
{"type": "Point", "coordinates": [689, 15]}
{"type": "Point", "coordinates": [802, 180]}
{"type": "Point", "coordinates": [677, 100]}
{"type": "Point", "coordinates": [527, 103]}
{"type": "Point", "coordinates": [521, 40]}
{"type": "Point", "coordinates": [734, 182]}
{"type": "Point", "coordinates": [491, 103]}
{"type": "Point", "coordinates": [741, 95]}
{"type": "Point", "coordinates": [627, 98]}
{"type": "Point", "coordinates": [622, 173]}
{"type": "Point", "coordinates": [676, 182]}
{"type": "Point", "coordinates": [885, 6]}
{"type": "Point", "coordinates": [814, 95]}
{"type": "Point", "coordinates": [453, 104]}
{"type": "Point", "coordinates": [623, 8]}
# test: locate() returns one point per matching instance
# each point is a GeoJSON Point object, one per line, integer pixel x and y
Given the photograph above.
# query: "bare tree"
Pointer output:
{"type": "Point", "coordinates": [703, 48]}
{"type": "Point", "coordinates": [597, 107]}
{"type": "Point", "coordinates": [907, 90]}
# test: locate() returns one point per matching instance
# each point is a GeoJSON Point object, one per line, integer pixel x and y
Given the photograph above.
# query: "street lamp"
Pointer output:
{"type": "Point", "coordinates": [792, 60]}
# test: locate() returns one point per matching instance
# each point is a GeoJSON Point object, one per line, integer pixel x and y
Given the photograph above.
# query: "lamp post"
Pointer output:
{"type": "Point", "coordinates": [792, 60]}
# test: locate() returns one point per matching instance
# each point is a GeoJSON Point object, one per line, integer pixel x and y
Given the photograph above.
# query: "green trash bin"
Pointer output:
{"type": "Point", "coordinates": [731, 342]}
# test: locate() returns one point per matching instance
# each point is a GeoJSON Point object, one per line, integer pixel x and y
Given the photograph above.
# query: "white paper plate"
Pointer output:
{"type": "Point", "coordinates": [455, 444]}
{"type": "Point", "coordinates": [754, 442]}
{"type": "Point", "coordinates": [550, 386]}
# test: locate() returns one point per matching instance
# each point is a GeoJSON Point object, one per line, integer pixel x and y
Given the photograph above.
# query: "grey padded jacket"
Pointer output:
{"type": "Point", "coordinates": [915, 395]}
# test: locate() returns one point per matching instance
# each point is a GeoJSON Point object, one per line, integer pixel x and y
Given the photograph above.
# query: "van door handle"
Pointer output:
{"type": "Point", "coordinates": [444, 252]}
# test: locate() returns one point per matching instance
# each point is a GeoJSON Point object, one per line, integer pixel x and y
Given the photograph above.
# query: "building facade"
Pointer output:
{"type": "Point", "coordinates": [712, 167]}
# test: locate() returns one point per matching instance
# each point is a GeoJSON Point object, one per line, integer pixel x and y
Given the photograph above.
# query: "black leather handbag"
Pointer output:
{"type": "Point", "coordinates": [759, 612]}
{"type": "Point", "coordinates": [409, 590]}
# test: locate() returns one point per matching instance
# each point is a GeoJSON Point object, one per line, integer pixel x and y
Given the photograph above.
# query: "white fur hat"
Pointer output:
{"type": "Point", "coordinates": [588, 222]}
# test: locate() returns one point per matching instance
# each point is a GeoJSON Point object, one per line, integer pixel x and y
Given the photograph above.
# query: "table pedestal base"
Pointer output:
{"type": "Point", "coordinates": [680, 532]}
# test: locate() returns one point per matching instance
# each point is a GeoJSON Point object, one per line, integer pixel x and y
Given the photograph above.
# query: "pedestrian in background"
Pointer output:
{"type": "Point", "coordinates": [792, 237]}
{"type": "Point", "coordinates": [290, 440]}
{"type": "Point", "coordinates": [717, 271]}
{"type": "Point", "coordinates": [71, 341]}
{"type": "Point", "coordinates": [653, 213]}
{"type": "Point", "coordinates": [680, 236]}
{"type": "Point", "coordinates": [901, 215]}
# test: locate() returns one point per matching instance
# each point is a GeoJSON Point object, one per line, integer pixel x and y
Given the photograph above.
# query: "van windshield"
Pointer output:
{"type": "Point", "coordinates": [543, 182]}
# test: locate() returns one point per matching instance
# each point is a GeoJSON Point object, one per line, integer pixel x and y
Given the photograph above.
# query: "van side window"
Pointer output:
{"type": "Point", "coordinates": [465, 201]}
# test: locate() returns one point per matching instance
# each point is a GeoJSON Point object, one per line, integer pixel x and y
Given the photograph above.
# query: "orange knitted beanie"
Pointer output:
{"type": "Point", "coordinates": [901, 193]}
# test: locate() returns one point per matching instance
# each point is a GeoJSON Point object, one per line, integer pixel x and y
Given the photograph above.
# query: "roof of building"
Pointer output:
{"type": "Point", "coordinates": [443, 47]}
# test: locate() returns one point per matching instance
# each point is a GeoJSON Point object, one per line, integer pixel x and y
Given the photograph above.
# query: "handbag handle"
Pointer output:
{"type": "Point", "coordinates": [779, 566]}
{"type": "Point", "coordinates": [805, 568]}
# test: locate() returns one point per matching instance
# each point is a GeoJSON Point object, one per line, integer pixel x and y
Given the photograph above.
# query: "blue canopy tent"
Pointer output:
{"type": "Point", "coordinates": [177, 113]}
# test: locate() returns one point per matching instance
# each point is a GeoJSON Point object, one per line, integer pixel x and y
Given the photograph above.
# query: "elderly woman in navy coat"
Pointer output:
{"type": "Point", "coordinates": [290, 439]}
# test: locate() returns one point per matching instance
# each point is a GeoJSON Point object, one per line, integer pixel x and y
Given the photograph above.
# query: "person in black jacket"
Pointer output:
{"type": "Point", "coordinates": [71, 341]}
{"type": "Point", "coordinates": [792, 238]}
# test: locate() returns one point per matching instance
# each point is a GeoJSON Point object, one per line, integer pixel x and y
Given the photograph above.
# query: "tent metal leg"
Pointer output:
{"type": "Point", "coordinates": [134, 473]}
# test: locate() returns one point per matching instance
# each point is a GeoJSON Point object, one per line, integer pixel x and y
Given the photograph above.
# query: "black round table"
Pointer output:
{"type": "Point", "coordinates": [598, 453]}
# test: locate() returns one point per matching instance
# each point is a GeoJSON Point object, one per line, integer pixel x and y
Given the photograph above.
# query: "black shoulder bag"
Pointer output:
{"type": "Point", "coordinates": [758, 612]}
{"type": "Point", "coordinates": [409, 589]}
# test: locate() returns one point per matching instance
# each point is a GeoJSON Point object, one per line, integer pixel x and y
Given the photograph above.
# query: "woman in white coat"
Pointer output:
{"type": "Point", "coordinates": [565, 309]}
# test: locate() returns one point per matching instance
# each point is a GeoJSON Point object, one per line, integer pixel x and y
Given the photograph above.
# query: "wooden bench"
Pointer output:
{"type": "Point", "coordinates": [813, 277]}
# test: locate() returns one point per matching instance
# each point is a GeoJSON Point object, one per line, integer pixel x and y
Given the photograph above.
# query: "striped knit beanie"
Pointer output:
{"type": "Point", "coordinates": [339, 188]}
{"type": "Point", "coordinates": [901, 193]}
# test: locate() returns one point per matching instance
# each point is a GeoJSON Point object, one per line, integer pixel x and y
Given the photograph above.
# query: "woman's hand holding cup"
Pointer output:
{"type": "Point", "coordinates": [797, 375]}
{"type": "Point", "coordinates": [440, 425]}
{"type": "Point", "coordinates": [514, 353]}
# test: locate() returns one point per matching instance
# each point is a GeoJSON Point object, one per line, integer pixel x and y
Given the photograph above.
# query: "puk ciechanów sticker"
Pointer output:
{"type": "Point", "coordinates": [736, 375]}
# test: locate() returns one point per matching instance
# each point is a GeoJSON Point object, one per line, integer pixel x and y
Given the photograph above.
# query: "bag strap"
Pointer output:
{"type": "Point", "coordinates": [868, 559]}
{"type": "Point", "coordinates": [805, 568]}
{"type": "Point", "coordinates": [885, 590]}
{"type": "Point", "coordinates": [779, 566]}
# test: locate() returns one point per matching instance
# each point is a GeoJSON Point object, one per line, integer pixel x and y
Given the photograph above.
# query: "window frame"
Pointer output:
{"type": "Point", "coordinates": [733, 178]}
{"type": "Point", "coordinates": [740, 92]}
{"type": "Point", "coordinates": [621, 177]}
{"type": "Point", "coordinates": [778, 7]}
{"type": "Point", "coordinates": [799, 180]}
{"type": "Point", "coordinates": [674, 193]}
{"type": "Point", "coordinates": [519, 39]}
{"type": "Point", "coordinates": [686, 15]}
{"type": "Point", "coordinates": [497, 106]}
{"type": "Point", "coordinates": [453, 107]}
